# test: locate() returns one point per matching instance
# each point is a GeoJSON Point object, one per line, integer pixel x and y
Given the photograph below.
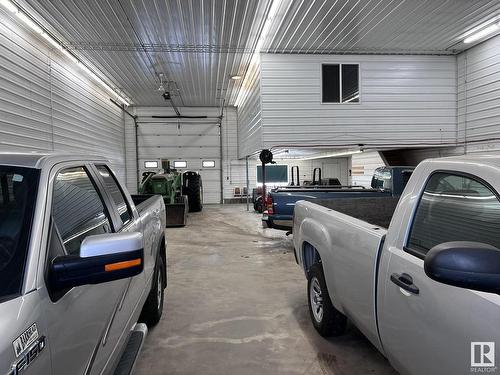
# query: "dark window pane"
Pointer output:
{"type": "Point", "coordinates": [77, 208]}
{"type": "Point", "coordinates": [331, 83]}
{"type": "Point", "coordinates": [18, 190]}
{"type": "Point", "coordinates": [274, 173]}
{"type": "Point", "coordinates": [455, 208]}
{"type": "Point", "coordinates": [350, 83]}
{"type": "Point", "coordinates": [116, 193]}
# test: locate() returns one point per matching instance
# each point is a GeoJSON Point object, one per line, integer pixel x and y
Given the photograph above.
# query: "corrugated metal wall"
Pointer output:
{"type": "Point", "coordinates": [362, 167]}
{"type": "Point", "coordinates": [404, 100]}
{"type": "Point", "coordinates": [479, 97]}
{"type": "Point", "coordinates": [249, 118]}
{"type": "Point", "coordinates": [234, 170]}
{"type": "Point", "coordinates": [47, 103]}
{"type": "Point", "coordinates": [131, 154]}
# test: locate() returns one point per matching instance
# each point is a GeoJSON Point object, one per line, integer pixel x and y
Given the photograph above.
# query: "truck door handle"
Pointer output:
{"type": "Point", "coordinates": [405, 282]}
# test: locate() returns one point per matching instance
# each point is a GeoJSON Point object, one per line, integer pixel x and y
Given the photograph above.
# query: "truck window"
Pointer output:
{"type": "Point", "coordinates": [77, 209]}
{"type": "Point", "coordinates": [18, 190]}
{"type": "Point", "coordinates": [455, 208]}
{"type": "Point", "coordinates": [116, 194]}
{"type": "Point", "coordinates": [382, 179]}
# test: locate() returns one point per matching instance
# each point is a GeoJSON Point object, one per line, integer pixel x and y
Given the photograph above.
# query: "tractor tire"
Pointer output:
{"type": "Point", "coordinates": [193, 188]}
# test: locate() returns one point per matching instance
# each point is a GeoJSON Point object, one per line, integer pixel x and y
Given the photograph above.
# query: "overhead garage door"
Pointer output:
{"type": "Point", "coordinates": [193, 141]}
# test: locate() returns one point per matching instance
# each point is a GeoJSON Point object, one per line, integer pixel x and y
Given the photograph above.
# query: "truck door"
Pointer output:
{"type": "Point", "coordinates": [78, 319]}
{"type": "Point", "coordinates": [428, 327]}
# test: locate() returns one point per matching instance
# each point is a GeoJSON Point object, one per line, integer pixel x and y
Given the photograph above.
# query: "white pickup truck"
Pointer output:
{"type": "Point", "coordinates": [425, 291]}
{"type": "Point", "coordinates": [80, 263]}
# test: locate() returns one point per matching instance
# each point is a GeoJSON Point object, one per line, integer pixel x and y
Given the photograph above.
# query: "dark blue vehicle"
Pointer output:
{"type": "Point", "coordinates": [280, 202]}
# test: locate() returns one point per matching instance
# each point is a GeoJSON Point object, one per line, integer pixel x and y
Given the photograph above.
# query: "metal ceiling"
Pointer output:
{"type": "Point", "coordinates": [378, 26]}
{"type": "Point", "coordinates": [199, 44]}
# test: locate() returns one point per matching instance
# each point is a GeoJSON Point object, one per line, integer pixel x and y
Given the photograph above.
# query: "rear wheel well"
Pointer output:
{"type": "Point", "coordinates": [310, 256]}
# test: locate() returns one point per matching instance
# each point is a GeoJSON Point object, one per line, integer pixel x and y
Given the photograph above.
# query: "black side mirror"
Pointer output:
{"type": "Point", "coordinates": [470, 265]}
{"type": "Point", "coordinates": [103, 258]}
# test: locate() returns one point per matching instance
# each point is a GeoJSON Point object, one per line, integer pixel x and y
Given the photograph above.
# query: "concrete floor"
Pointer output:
{"type": "Point", "coordinates": [236, 304]}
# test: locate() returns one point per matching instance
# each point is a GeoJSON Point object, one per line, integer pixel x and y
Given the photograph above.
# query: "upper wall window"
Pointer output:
{"type": "Point", "coordinates": [180, 164]}
{"type": "Point", "coordinates": [340, 83]}
{"type": "Point", "coordinates": [208, 163]}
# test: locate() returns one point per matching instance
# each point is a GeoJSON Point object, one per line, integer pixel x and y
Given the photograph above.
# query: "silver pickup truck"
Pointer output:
{"type": "Point", "coordinates": [79, 264]}
{"type": "Point", "coordinates": [425, 291]}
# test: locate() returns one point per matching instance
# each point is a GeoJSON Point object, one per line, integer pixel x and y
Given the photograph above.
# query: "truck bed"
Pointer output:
{"type": "Point", "coordinates": [374, 210]}
{"type": "Point", "coordinates": [140, 201]}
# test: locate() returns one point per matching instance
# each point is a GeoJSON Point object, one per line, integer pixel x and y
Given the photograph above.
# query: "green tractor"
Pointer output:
{"type": "Point", "coordinates": [181, 192]}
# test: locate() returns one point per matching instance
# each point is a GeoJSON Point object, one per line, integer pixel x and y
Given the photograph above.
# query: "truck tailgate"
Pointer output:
{"type": "Point", "coordinates": [349, 250]}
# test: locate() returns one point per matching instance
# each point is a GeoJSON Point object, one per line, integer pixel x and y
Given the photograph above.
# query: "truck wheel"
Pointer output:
{"type": "Point", "coordinates": [153, 308]}
{"type": "Point", "coordinates": [258, 205]}
{"type": "Point", "coordinates": [327, 320]}
{"type": "Point", "coordinates": [193, 188]}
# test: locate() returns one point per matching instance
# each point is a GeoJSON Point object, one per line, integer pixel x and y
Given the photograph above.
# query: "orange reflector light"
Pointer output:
{"type": "Point", "coordinates": [122, 265]}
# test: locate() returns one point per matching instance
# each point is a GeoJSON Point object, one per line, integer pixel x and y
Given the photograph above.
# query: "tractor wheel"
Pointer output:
{"type": "Point", "coordinates": [193, 188]}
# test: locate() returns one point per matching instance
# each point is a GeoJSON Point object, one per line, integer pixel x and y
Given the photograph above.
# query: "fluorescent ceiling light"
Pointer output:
{"type": "Point", "coordinates": [332, 155]}
{"type": "Point", "coordinates": [254, 62]}
{"type": "Point", "coordinates": [27, 20]}
{"type": "Point", "coordinates": [236, 77]}
{"type": "Point", "coordinates": [11, 7]}
{"type": "Point", "coordinates": [482, 33]}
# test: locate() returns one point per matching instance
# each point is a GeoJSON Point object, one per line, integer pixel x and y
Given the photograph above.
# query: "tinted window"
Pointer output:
{"type": "Point", "coordinates": [18, 189]}
{"type": "Point", "coordinates": [274, 173]}
{"type": "Point", "coordinates": [382, 179]}
{"type": "Point", "coordinates": [455, 208]}
{"type": "Point", "coordinates": [350, 83]}
{"type": "Point", "coordinates": [77, 208]}
{"type": "Point", "coordinates": [116, 193]}
{"type": "Point", "coordinates": [331, 83]}
{"type": "Point", "coordinates": [340, 83]}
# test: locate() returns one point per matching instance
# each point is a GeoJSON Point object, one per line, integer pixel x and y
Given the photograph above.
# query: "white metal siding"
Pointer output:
{"type": "Point", "coordinates": [190, 140]}
{"type": "Point", "coordinates": [366, 163]}
{"type": "Point", "coordinates": [249, 119]}
{"type": "Point", "coordinates": [130, 154]}
{"type": "Point", "coordinates": [234, 170]}
{"type": "Point", "coordinates": [478, 97]}
{"type": "Point", "coordinates": [404, 100]}
{"type": "Point", "coordinates": [46, 103]}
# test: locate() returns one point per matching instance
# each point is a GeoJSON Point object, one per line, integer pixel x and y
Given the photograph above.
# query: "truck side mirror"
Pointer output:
{"type": "Point", "coordinates": [103, 258]}
{"type": "Point", "coordinates": [470, 265]}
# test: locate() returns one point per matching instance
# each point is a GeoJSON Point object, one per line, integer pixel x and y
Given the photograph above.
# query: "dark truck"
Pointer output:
{"type": "Point", "coordinates": [280, 202]}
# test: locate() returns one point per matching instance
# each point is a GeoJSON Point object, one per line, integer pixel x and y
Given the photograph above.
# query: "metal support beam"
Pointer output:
{"type": "Point", "coordinates": [248, 183]}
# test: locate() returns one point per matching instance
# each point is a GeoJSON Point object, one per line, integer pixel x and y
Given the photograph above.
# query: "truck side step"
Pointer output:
{"type": "Point", "coordinates": [132, 350]}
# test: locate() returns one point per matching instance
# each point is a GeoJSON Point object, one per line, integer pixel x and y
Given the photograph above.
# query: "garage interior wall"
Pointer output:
{"type": "Point", "coordinates": [190, 140]}
{"type": "Point", "coordinates": [478, 86]}
{"type": "Point", "coordinates": [404, 100]}
{"type": "Point", "coordinates": [478, 97]}
{"type": "Point", "coordinates": [49, 104]}
{"type": "Point", "coordinates": [249, 117]}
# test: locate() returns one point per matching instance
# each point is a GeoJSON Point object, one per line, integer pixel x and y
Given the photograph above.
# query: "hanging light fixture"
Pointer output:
{"type": "Point", "coordinates": [161, 88]}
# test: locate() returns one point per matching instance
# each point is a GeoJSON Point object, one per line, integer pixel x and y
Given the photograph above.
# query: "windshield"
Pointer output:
{"type": "Point", "coordinates": [18, 187]}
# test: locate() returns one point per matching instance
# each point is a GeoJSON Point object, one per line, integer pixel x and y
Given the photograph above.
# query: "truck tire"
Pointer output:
{"type": "Point", "coordinates": [153, 307]}
{"type": "Point", "coordinates": [258, 206]}
{"type": "Point", "coordinates": [327, 320]}
{"type": "Point", "coordinates": [193, 188]}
